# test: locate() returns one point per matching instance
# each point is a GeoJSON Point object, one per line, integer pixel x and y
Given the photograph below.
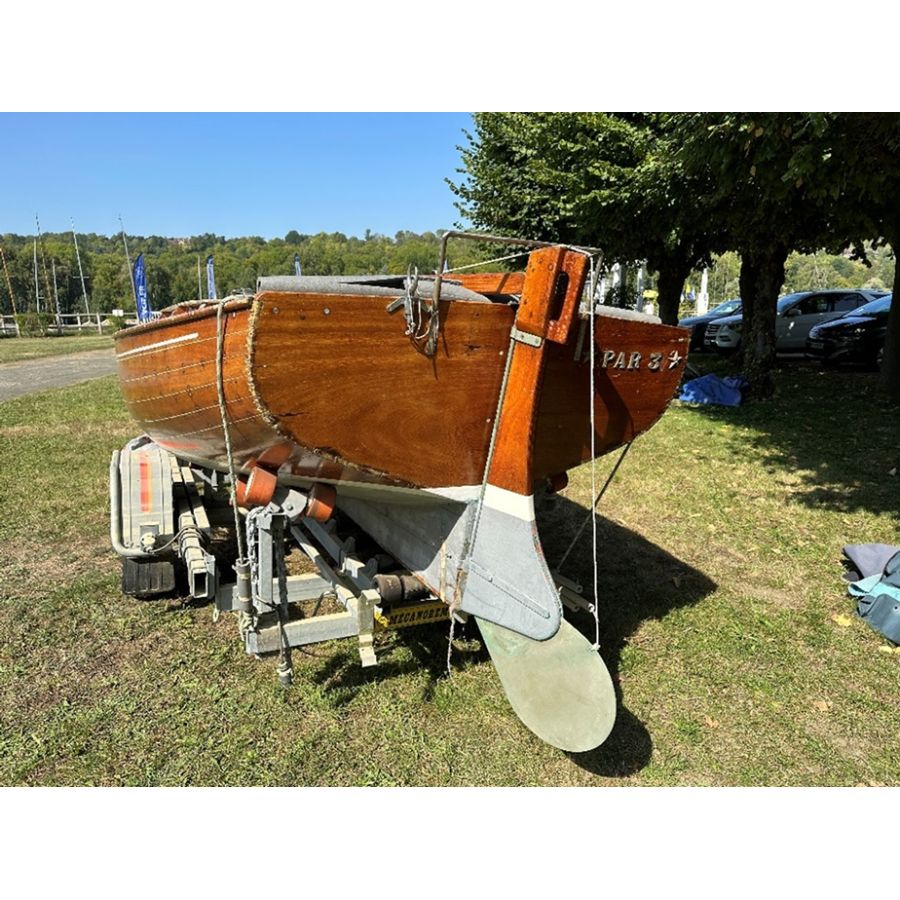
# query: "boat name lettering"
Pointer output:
{"type": "Point", "coordinates": [655, 362]}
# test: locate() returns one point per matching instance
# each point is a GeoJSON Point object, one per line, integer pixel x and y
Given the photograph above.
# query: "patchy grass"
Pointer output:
{"type": "Point", "coordinates": [719, 549]}
{"type": "Point", "coordinates": [13, 349]}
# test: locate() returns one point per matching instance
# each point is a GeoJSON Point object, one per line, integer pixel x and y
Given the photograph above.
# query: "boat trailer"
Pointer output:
{"type": "Point", "coordinates": [164, 516]}
{"type": "Point", "coordinates": [173, 525]}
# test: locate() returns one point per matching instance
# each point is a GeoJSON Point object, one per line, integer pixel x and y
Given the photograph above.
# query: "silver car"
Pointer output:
{"type": "Point", "coordinates": [796, 314]}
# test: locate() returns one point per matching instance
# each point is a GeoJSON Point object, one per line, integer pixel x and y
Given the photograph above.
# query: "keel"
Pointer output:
{"type": "Point", "coordinates": [507, 580]}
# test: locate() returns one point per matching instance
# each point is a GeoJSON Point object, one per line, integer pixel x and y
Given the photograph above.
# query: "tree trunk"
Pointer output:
{"type": "Point", "coordinates": [672, 276]}
{"type": "Point", "coordinates": [889, 378]}
{"type": "Point", "coordinates": [762, 275]}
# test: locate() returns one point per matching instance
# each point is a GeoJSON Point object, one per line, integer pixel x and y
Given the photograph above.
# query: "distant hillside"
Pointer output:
{"type": "Point", "coordinates": [171, 263]}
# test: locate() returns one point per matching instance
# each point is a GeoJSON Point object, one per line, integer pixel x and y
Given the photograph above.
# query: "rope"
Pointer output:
{"type": "Point", "coordinates": [223, 412]}
{"type": "Point", "coordinates": [592, 311]}
{"type": "Point", "coordinates": [470, 541]}
{"type": "Point", "coordinates": [492, 446]}
{"type": "Point", "coordinates": [411, 303]}
{"type": "Point", "coordinates": [496, 259]}
{"type": "Point", "coordinates": [595, 495]}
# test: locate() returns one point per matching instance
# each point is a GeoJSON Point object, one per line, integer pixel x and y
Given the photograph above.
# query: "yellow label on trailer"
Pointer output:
{"type": "Point", "coordinates": [416, 614]}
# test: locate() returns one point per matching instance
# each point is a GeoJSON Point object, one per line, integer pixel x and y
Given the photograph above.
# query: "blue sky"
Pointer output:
{"type": "Point", "coordinates": [229, 173]}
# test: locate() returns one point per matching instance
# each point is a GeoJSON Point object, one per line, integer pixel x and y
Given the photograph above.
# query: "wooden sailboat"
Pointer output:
{"type": "Point", "coordinates": [428, 412]}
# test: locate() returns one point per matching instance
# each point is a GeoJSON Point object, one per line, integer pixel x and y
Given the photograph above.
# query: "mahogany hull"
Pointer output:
{"type": "Point", "coordinates": [435, 456]}
{"type": "Point", "coordinates": [329, 388]}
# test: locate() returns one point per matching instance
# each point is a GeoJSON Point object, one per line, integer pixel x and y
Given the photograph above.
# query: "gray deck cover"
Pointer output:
{"type": "Point", "coordinates": [363, 285]}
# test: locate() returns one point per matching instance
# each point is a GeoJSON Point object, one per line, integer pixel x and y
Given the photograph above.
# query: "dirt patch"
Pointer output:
{"type": "Point", "coordinates": [69, 677]}
{"type": "Point", "coordinates": [783, 598]}
{"type": "Point", "coordinates": [29, 568]}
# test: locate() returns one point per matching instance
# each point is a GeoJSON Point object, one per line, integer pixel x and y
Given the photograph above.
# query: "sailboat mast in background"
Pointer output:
{"type": "Point", "coordinates": [9, 287]}
{"type": "Point", "coordinates": [87, 307]}
{"type": "Point", "coordinates": [40, 240]}
{"type": "Point", "coordinates": [128, 260]}
{"type": "Point", "coordinates": [37, 287]}
{"type": "Point", "coordinates": [56, 296]}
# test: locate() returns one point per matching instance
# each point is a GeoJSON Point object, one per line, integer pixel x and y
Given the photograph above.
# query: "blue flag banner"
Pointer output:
{"type": "Point", "coordinates": [210, 279]}
{"type": "Point", "coordinates": [297, 269]}
{"type": "Point", "coordinates": [140, 289]}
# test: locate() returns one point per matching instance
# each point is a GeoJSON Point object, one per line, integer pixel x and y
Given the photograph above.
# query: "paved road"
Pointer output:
{"type": "Point", "coordinates": [32, 375]}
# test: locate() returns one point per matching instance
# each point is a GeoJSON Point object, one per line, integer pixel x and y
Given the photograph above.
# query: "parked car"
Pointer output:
{"type": "Point", "coordinates": [857, 336]}
{"type": "Point", "coordinates": [796, 314]}
{"type": "Point", "coordinates": [698, 324]}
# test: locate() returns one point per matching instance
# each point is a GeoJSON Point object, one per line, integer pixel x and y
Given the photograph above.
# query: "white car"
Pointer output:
{"type": "Point", "coordinates": [796, 315]}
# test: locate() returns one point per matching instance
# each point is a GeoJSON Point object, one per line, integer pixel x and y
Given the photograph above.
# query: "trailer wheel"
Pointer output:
{"type": "Point", "coordinates": [146, 579]}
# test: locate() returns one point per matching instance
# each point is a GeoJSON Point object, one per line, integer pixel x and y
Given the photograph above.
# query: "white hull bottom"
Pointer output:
{"type": "Point", "coordinates": [483, 558]}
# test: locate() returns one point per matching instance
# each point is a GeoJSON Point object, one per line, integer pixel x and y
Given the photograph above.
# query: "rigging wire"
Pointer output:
{"type": "Point", "coordinates": [591, 403]}
{"type": "Point", "coordinates": [223, 412]}
{"type": "Point", "coordinates": [594, 261]}
{"type": "Point", "coordinates": [597, 500]}
{"type": "Point", "coordinates": [487, 262]}
{"type": "Point", "coordinates": [476, 517]}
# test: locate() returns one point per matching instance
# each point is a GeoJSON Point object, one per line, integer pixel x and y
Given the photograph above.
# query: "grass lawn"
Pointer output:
{"type": "Point", "coordinates": [721, 615]}
{"type": "Point", "coordinates": [15, 349]}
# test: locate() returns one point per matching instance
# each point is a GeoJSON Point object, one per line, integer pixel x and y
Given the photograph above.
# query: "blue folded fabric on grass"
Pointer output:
{"type": "Point", "coordinates": [863, 560]}
{"type": "Point", "coordinates": [715, 390]}
{"type": "Point", "coordinates": [878, 599]}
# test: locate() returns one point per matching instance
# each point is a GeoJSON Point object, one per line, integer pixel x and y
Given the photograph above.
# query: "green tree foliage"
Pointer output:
{"type": "Point", "coordinates": [788, 192]}
{"type": "Point", "coordinates": [820, 270]}
{"type": "Point", "coordinates": [806, 272]}
{"type": "Point", "coordinates": [588, 178]}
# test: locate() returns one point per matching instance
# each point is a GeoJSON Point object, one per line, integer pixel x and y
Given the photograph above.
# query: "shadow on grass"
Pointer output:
{"type": "Point", "coordinates": [637, 580]}
{"type": "Point", "coordinates": [403, 652]}
{"type": "Point", "coordinates": [833, 429]}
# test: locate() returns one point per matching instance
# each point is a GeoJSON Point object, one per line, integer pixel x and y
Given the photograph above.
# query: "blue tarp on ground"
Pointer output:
{"type": "Point", "coordinates": [713, 389]}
